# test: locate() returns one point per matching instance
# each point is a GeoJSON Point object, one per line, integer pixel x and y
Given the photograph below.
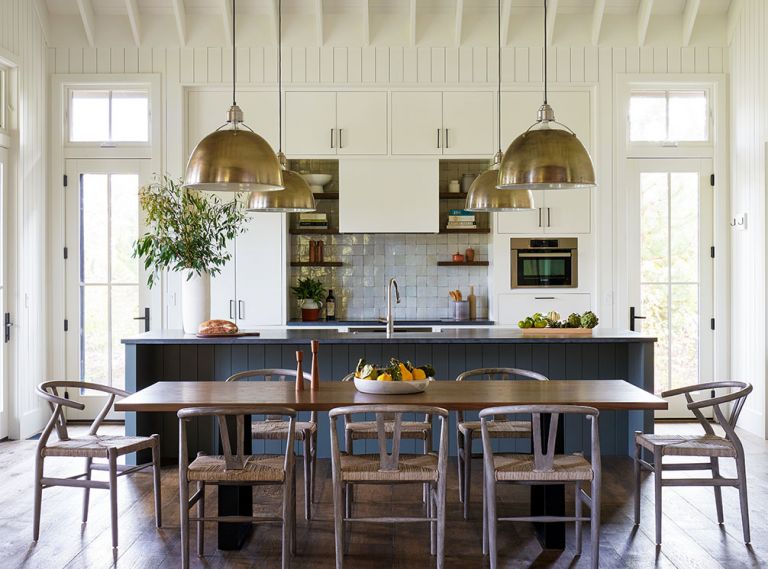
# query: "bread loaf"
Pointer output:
{"type": "Point", "coordinates": [217, 327]}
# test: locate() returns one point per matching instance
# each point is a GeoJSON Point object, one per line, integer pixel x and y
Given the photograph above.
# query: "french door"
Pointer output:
{"type": "Point", "coordinates": [4, 312]}
{"type": "Point", "coordinates": [671, 269]}
{"type": "Point", "coordinates": [106, 294]}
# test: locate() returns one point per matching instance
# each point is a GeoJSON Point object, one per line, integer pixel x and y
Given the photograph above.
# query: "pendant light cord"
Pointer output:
{"type": "Point", "coordinates": [498, 97]}
{"type": "Point", "coordinates": [234, 54]}
{"type": "Point", "coordinates": [280, 75]}
{"type": "Point", "coordinates": [546, 41]}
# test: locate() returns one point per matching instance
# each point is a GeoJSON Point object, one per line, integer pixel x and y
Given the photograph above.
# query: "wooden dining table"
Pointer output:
{"type": "Point", "coordinates": [170, 396]}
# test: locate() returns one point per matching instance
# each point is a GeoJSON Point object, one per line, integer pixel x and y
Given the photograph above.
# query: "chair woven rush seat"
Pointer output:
{"type": "Point", "coordinates": [277, 430]}
{"type": "Point", "coordinates": [687, 445]}
{"type": "Point", "coordinates": [497, 429]}
{"type": "Point", "coordinates": [96, 446]}
{"type": "Point", "coordinates": [366, 430]}
{"type": "Point", "coordinates": [521, 467]}
{"type": "Point", "coordinates": [410, 468]}
{"type": "Point", "coordinates": [256, 468]}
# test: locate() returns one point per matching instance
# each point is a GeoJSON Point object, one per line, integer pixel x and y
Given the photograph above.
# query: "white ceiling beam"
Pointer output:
{"type": "Point", "coordinates": [643, 19]}
{"type": "Point", "coordinates": [366, 23]}
{"type": "Point", "coordinates": [598, 12]}
{"type": "Point", "coordinates": [551, 18]}
{"type": "Point", "coordinates": [88, 17]}
{"type": "Point", "coordinates": [690, 13]}
{"type": "Point", "coordinates": [131, 6]}
{"type": "Point", "coordinates": [459, 20]}
{"type": "Point", "coordinates": [412, 23]}
{"type": "Point", "coordinates": [41, 9]}
{"type": "Point", "coordinates": [181, 20]}
{"type": "Point", "coordinates": [226, 17]}
{"type": "Point", "coordinates": [734, 11]}
{"type": "Point", "coordinates": [319, 22]}
{"type": "Point", "coordinates": [506, 14]}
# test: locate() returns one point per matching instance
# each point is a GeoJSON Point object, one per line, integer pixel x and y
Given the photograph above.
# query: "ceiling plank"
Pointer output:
{"type": "Point", "coordinates": [690, 13]}
{"type": "Point", "coordinates": [41, 9]}
{"type": "Point", "coordinates": [734, 12]}
{"type": "Point", "coordinates": [319, 22]}
{"type": "Point", "coordinates": [506, 14]}
{"type": "Point", "coordinates": [643, 19]}
{"type": "Point", "coordinates": [88, 17]}
{"type": "Point", "coordinates": [134, 19]}
{"type": "Point", "coordinates": [412, 24]}
{"type": "Point", "coordinates": [598, 12]}
{"type": "Point", "coordinates": [551, 18]}
{"type": "Point", "coordinates": [459, 20]}
{"type": "Point", "coordinates": [366, 23]}
{"type": "Point", "coordinates": [227, 16]}
{"type": "Point", "coordinates": [180, 14]}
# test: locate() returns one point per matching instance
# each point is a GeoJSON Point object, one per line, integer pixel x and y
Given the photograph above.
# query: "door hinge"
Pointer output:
{"type": "Point", "coordinates": [65, 180]}
{"type": "Point", "coordinates": [712, 323]}
{"type": "Point", "coordinates": [66, 252]}
{"type": "Point", "coordinates": [712, 251]}
{"type": "Point", "coordinates": [712, 180]}
{"type": "Point", "coordinates": [66, 325]}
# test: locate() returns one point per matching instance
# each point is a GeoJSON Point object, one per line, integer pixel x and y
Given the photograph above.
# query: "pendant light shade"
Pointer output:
{"type": "Point", "coordinates": [234, 159]}
{"type": "Point", "coordinates": [295, 198]}
{"type": "Point", "coordinates": [546, 157]}
{"type": "Point", "coordinates": [483, 194]}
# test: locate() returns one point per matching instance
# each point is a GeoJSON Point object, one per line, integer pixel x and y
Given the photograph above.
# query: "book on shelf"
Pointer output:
{"type": "Point", "coordinates": [468, 226]}
{"type": "Point", "coordinates": [461, 218]}
{"type": "Point", "coordinates": [460, 212]}
{"type": "Point", "coordinates": [313, 217]}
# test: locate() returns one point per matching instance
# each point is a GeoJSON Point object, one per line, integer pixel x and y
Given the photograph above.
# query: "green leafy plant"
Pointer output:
{"type": "Point", "coordinates": [309, 288]}
{"type": "Point", "coordinates": [187, 229]}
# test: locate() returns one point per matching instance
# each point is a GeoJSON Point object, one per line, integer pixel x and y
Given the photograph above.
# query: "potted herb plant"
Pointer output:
{"type": "Point", "coordinates": [187, 231]}
{"type": "Point", "coordinates": [310, 292]}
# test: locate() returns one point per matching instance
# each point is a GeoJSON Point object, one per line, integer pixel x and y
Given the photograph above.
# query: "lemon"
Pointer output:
{"type": "Point", "coordinates": [419, 374]}
{"type": "Point", "coordinates": [384, 377]}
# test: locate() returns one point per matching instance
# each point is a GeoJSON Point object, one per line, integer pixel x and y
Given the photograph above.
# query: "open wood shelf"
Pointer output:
{"type": "Point", "coordinates": [307, 231]}
{"type": "Point", "coordinates": [453, 196]}
{"type": "Point", "coordinates": [467, 231]}
{"type": "Point", "coordinates": [316, 263]}
{"type": "Point", "coordinates": [462, 264]}
{"type": "Point", "coordinates": [327, 196]}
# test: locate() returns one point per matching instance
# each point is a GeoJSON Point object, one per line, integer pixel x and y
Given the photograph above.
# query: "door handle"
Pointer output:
{"type": "Point", "coordinates": [632, 317]}
{"type": "Point", "coordinates": [438, 138]}
{"type": "Point", "coordinates": [145, 318]}
{"type": "Point", "coordinates": [240, 309]}
{"type": "Point", "coordinates": [446, 138]}
{"type": "Point", "coordinates": [549, 217]}
{"type": "Point", "coordinates": [7, 326]}
{"type": "Point", "coordinates": [332, 138]}
{"type": "Point", "coordinates": [231, 309]}
{"type": "Point", "coordinates": [544, 298]}
{"type": "Point", "coordinates": [341, 145]}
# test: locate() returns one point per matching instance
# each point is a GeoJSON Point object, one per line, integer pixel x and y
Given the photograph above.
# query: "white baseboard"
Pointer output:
{"type": "Point", "coordinates": [753, 421]}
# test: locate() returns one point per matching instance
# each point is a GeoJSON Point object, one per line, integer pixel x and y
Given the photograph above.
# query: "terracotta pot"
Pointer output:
{"type": "Point", "coordinates": [458, 257]}
{"type": "Point", "coordinates": [310, 314]}
{"type": "Point", "coordinates": [469, 254]}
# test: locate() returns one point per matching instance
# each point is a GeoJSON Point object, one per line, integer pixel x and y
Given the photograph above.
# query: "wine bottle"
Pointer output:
{"type": "Point", "coordinates": [330, 306]}
{"type": "Point", "coordinates": [472, 303]}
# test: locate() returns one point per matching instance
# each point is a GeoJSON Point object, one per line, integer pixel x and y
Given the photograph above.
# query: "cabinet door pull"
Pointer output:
{"type": "Point", "coordinates": [438, 138]}
{"type": "Point", "coordinates": [539, 217]}
{"type": "Point", "coordinates": [341, 145]}
{"type": "Point", "coordinates": [544, 298]}
{"type": "Point", "coordinates": [549, 217]}
{"type": "Point", "coordinates": [332, 138]}
{"type": "Point", "coordinates": [446, 138]}
{"type": "Point", "coordinates": [240, 309]}
{"type": "Point", "coordinates": [231, 309]}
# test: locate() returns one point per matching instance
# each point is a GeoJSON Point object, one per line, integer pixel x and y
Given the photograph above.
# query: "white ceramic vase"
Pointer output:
{"type": "Point", "coordinates": [195, 300]}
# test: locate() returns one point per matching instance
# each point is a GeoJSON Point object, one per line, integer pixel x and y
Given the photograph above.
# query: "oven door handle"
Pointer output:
{"type": "Point", "coordinates": [544, 255]}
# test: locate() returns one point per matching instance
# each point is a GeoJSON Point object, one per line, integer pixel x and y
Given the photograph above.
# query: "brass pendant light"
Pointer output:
{"type": "Point", "coordinates": [234, 159]}
{"type": "Point", "coordinates": [483, 194]}
{"type": "Point", "coordinates": [297, 196]}
{"type": "Point", "coordinates": [543, 157]}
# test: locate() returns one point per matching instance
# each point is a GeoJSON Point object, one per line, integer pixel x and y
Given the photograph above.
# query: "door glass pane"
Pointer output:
{"type": "Point", "coordinates": [670, 277]}
{"type": "Point", "coordinates": [109, 287]}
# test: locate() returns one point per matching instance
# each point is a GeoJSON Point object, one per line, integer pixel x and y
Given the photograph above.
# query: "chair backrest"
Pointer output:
{"type": "Point", "coordinates": [500, 373]}
{"type": "Point", "coordinates": [543, 458]}
{"type": "Point", "coordinates": [727, 420]}
{"type": "Point", "coordinates": [49, 390]}
{"type": "Point", "coordinates": [390, 461]}
{"type": "Point", "coordinates": [234, 460]}
{"type": "Point", "coordinates": [272, 374]}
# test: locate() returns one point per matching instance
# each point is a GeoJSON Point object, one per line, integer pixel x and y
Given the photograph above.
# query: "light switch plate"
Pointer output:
{"type": "Point", "coordinates": [739, 221]}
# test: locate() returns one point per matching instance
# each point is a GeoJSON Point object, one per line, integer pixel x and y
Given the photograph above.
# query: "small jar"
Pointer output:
{"type": "Point", "coordinates": [454, 187]}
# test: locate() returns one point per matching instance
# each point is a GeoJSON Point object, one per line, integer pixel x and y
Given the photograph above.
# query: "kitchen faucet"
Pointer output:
{"type": "Point", "coordinates": [390, 315]}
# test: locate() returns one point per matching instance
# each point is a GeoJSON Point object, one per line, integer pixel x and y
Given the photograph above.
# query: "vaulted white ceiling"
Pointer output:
{"type": "Point", "coordinates": [387, 22]}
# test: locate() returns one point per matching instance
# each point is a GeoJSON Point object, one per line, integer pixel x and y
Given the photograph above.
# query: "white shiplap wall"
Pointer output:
{"type": "Point", "coordinates": [22, 38]}
{"type": "Point", "coordinates": [749, 134]}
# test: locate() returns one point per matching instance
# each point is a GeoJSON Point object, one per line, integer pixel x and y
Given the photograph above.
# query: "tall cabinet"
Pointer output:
{"type": "Point", "coordinates": [250, 290]}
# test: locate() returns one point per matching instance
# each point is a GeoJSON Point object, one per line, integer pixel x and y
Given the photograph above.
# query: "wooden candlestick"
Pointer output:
{"type": "Point", "coordinates": [299, 371]}
{"type": "Point", "coordinates": [315, 366]}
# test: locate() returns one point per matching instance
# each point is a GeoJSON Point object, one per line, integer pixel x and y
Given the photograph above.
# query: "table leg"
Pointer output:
{"type": "Point", "coordinates": [549, 499]}
{"type": "Point", "coordinates": [236, 500]}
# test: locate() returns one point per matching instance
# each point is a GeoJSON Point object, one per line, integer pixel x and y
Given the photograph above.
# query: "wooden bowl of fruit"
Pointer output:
{"type": "Point", "coordinates": [396, 378]}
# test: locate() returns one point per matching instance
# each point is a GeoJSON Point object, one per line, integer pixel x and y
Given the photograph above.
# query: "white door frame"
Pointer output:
{"type": "Point", "coordinates": [5, 351]}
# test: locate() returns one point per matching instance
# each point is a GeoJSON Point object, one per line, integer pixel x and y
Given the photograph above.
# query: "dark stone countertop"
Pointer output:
{"type": "Point", "coordinates": [451, 336]}
{"type": "Point", "coordinates": [379, 323]}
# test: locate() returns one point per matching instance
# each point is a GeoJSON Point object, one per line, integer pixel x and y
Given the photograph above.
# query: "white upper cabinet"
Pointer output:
{"type": "Point", "coordinates": [361, 122]}
{"type": "Point", "coordinates": [310, 123]}
{"type": "Point", "coordinates": [207, 111]}
{"type": "Point", "coordinates": [328, 123]}
{"type": "Point", "coordinates": [557, 212]}
{"type": "Point", "coordinates": [394, 195]}
{"type": "Point", "coordinates": [457, 123]}
{"type": "Point", "coordinates": [468, 124]}
{"type": "Point", "coordinates": [522, 222]}
{"type": "Point", "coordinates": [417, 122]}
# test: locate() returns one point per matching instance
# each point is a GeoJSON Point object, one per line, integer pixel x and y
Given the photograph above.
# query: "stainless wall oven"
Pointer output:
{"type": "Point", "coordinates": [544, 262]}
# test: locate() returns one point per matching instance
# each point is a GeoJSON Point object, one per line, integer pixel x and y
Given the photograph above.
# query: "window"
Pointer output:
{"type": "Point", "coordinates": [669, 116]}
{"type": "Point", "coordinates": [3, 97]}
{"type": "Point", "coordinates": [104, 115]}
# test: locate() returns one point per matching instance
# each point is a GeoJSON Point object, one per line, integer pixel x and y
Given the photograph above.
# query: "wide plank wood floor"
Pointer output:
{"type": "Point", "coordinates": [692, 538]}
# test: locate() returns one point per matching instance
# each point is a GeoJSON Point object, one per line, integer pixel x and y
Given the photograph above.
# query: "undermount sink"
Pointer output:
{"type": "Point", "coordinates": [398, 330]}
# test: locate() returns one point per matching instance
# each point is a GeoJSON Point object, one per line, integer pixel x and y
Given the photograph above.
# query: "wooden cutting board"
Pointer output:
{"type": "Point", "coordinates": [235, 335]}
{"type": "Point", "coordinates": [556, 331]}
